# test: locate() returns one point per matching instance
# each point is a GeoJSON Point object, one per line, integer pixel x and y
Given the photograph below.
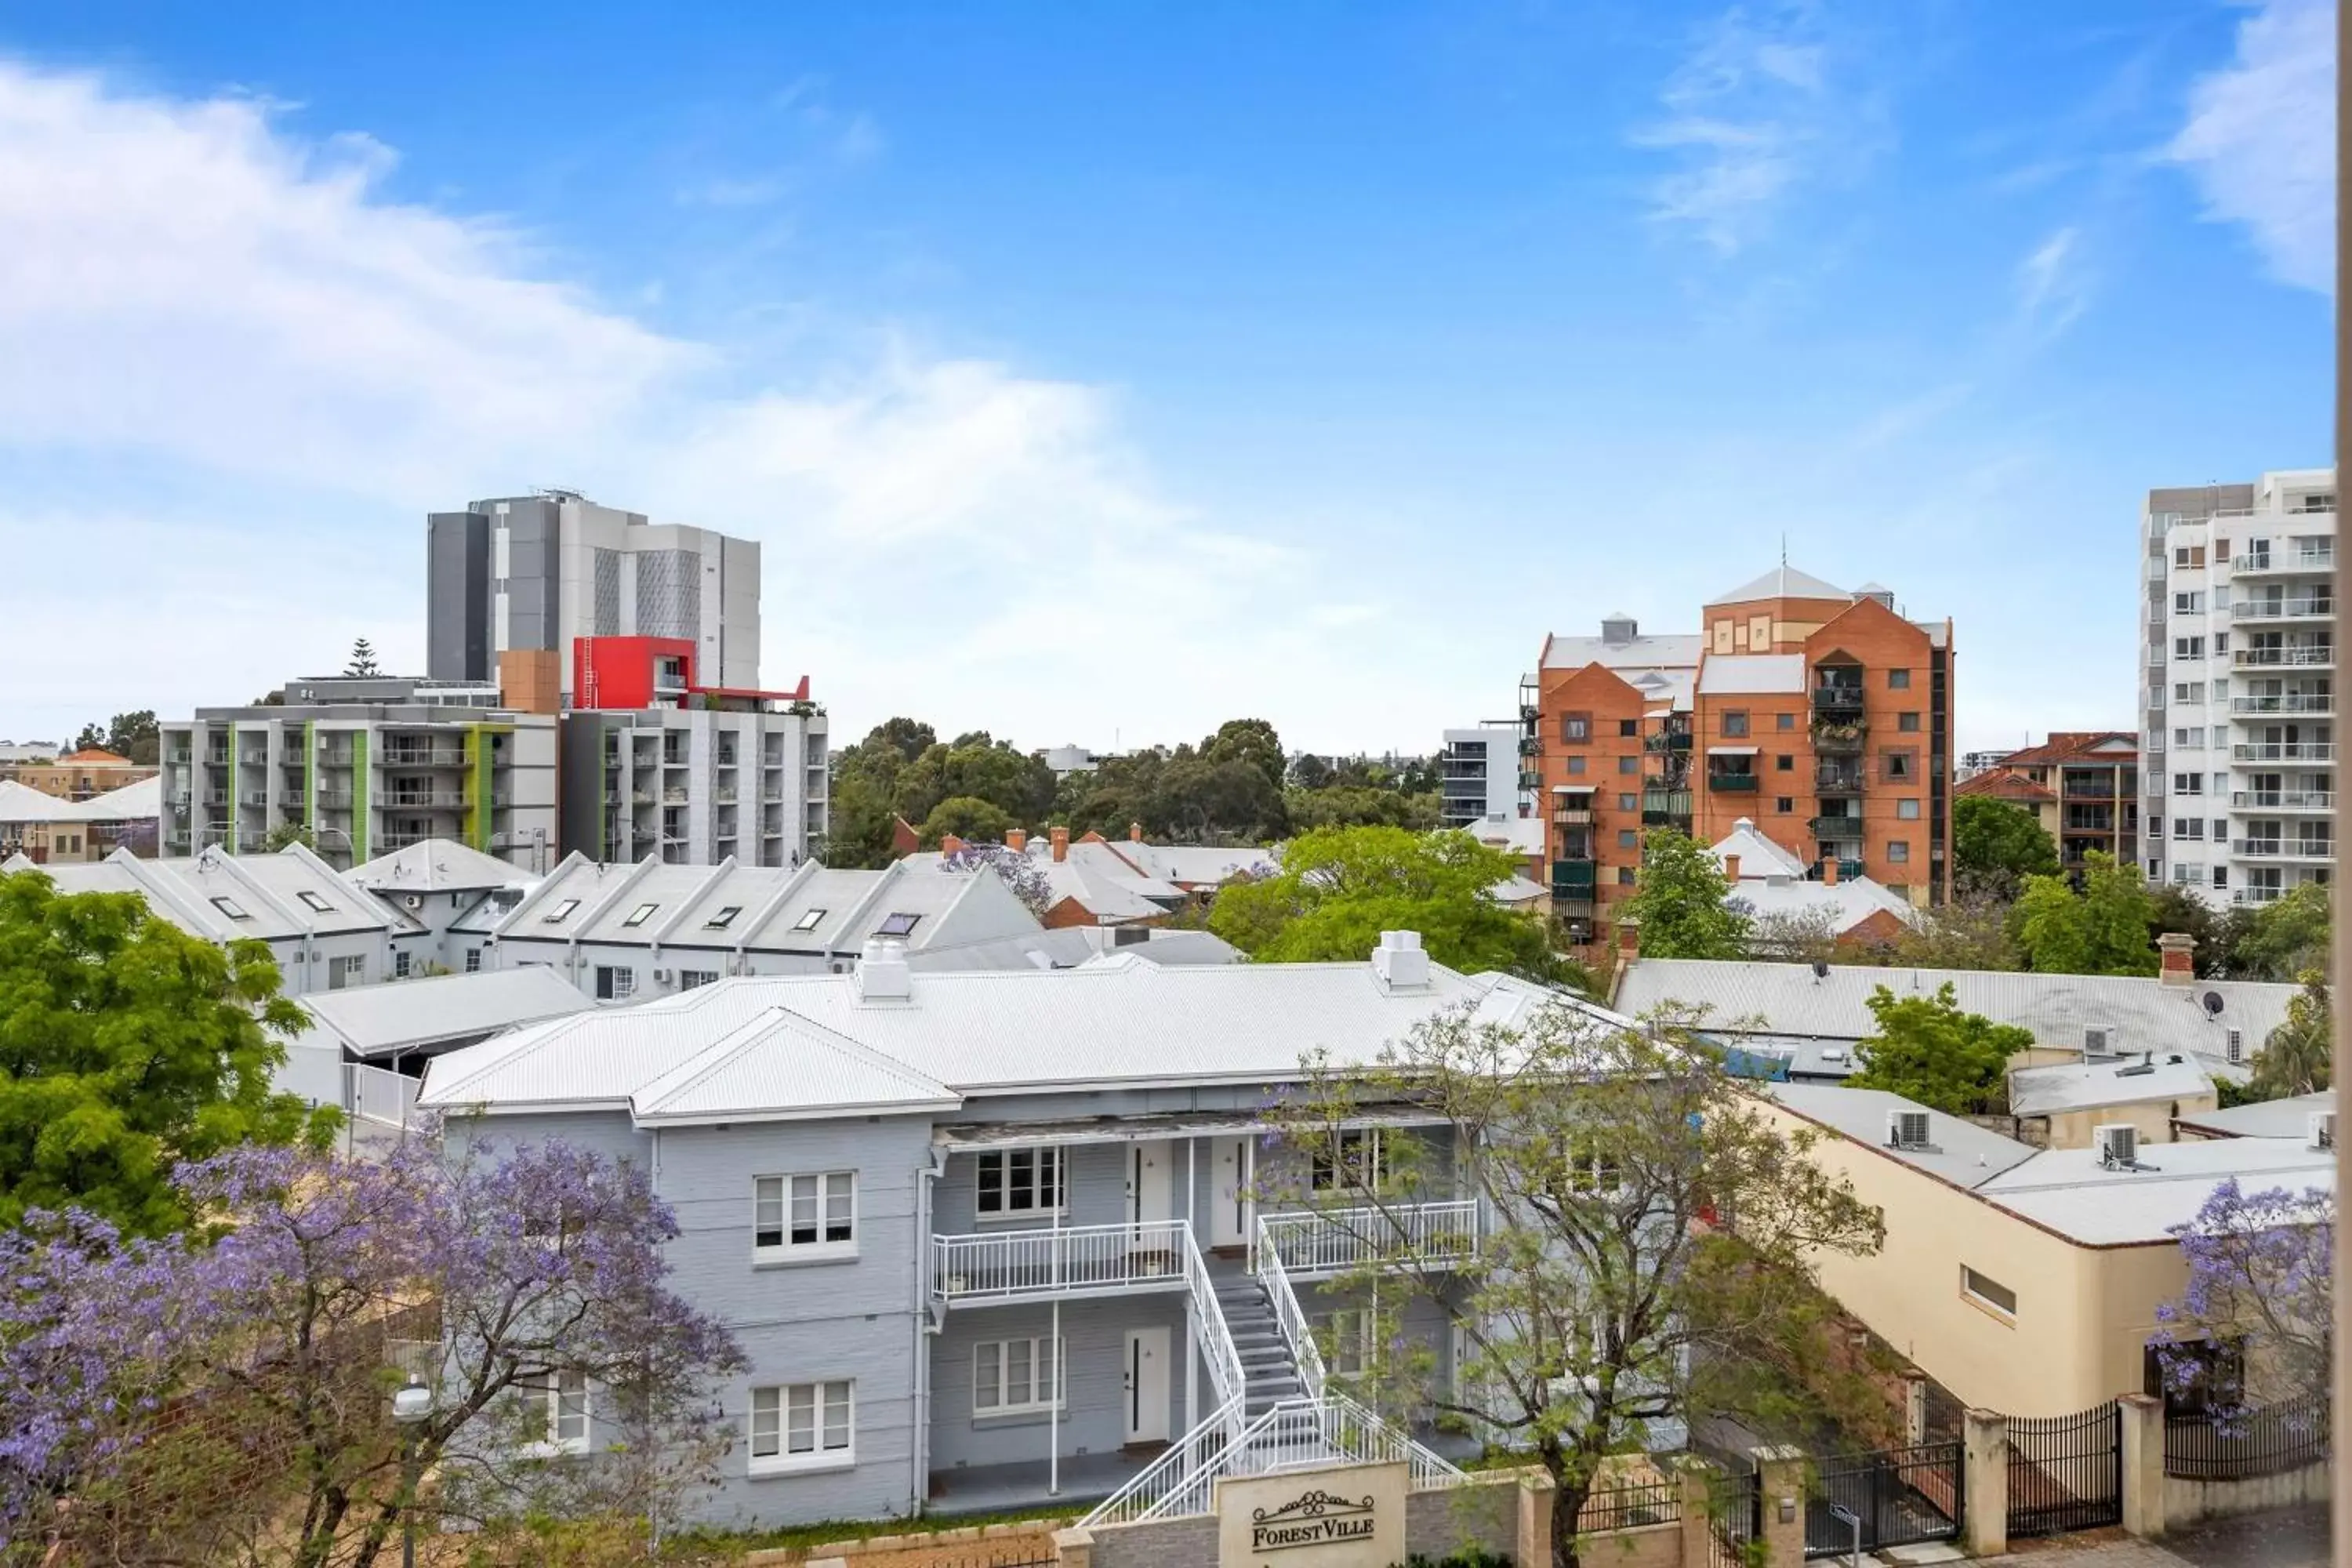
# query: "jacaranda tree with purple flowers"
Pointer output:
{"type": "Point", "coordinates": [225, 1397]}
{"type": "Point", "coordinates": [2252, 1330]}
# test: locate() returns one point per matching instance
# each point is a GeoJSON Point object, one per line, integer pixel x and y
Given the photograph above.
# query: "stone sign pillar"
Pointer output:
{"type": "Point", "coordinates": [1339, 1516]}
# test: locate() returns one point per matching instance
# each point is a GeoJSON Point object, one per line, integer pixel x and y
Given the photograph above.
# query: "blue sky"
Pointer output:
{"type": "Point", "coordinates": [1103, 372]}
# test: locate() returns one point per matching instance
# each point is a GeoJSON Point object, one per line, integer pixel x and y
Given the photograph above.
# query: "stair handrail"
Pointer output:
{"type": "Point", "coordinates": [1289, 1317]}
{"type": "Point", "coordinates": [1224, 1357]}
{"type": "Point", "coordinates": [1177, 1463]}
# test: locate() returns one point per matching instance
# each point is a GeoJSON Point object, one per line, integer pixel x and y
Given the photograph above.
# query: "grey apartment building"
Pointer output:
{"type": "Point", "coordinates": [987, 1239]}
{"type": "Point", "coordinates": [531, 575]}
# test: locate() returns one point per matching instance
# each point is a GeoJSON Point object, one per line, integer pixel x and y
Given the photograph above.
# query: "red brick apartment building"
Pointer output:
{"type": "Point", "coordinates": [1823, 715]}
{"type": "Point", "coordinates": [2081, 786]}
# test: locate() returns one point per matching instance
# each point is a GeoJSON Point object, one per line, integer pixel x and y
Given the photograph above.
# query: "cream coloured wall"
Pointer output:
{"type": "Point", "coordinates": [2075, 1129]}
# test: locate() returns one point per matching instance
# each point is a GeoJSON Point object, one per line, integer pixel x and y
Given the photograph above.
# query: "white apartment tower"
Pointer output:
{"type": "Point", "coordinates": [2238, 799]}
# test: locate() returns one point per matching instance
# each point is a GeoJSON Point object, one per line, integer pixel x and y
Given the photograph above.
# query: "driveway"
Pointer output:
{"type": "Point", "coordinates": [2288, 1538]}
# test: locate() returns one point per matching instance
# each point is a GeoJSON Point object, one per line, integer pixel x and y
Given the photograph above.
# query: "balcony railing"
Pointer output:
{"type": "Point", "coordinates": [1333, 1240]}
{"type": "Point", "coordinates": [2284, 561]}
{"type": "Point", "coordinates": [2248, 896]}
{"type": "Point", "coordinates": [2308, 657]}
{"type": "Point", "coordinates": [1840, 739]}
{"type": "Point", "coordinates": [1838, 782]}
{"type": "Point", "coordinates": [423, 757]}
{"type": "Point", "coordinates": [1019, 1265]}
{"type": "Point", "coordinates": [1667, 741]}
{"type": "Point", "coordinates": [2283, 848]}
{"type": "Point", "coordinates": [1573, 879]}
{"type": "Point", "coordinates": [1836, 827]}
{"type": "Point", "coordinates": [2284, 751]}
{"type": "Point", "coordinates": [2283, 799]}
{"type": "Point", "coordinates": [1837, 698]}
{"type": "Point", "coordinates": [2286, 702]}
{"type": "Point", "coordinates": [1734, 784]}
{"type": "Point", "coordinates": [428, 800]}
{"type": "Point", "coordinates": [1662, 808]}
{"type": "Point", "coordinates": [2283, 609]}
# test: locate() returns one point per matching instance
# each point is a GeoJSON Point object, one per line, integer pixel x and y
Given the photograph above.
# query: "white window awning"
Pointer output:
{"type": "Point", "coordinates": [1731, 751]}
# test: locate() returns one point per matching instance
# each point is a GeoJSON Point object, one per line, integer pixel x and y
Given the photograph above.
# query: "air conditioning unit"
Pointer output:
{"type": "Point", "coordinates": [663, 976]}
{"type": "Point", "coordinates": [413, 901]}
{"type": "Point", "coordinates": [1906, 1129]}
{"type": "Point", "coordinates": [2119, 1145]}
{"type": "Point", "coordinates": [2323, 1129]}
{"type": "Point", "coordinates": [2235, 1051]}
{"type": "Point", "coordinates": [2094, 1041]}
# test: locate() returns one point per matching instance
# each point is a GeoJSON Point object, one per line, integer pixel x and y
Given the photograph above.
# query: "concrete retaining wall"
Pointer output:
{"type": "Point", "coordinates": [2187, 1501]}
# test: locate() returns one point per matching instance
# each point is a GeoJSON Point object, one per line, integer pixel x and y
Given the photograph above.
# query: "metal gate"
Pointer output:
{"type": "Point", "coordinates": [1735, 1515]}
{"type": "Point", "coordinates": [2066, 1472]}
{"type": "Point", "coordinates": [1903, 1496]}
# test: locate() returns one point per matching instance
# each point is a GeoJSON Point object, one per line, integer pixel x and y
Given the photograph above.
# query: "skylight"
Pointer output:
{"type": "Point", "coordinates": [316, 901]}
{"type": "Point", "coordinates": [808, 921]}
{"type": "Point", "coordinates": [561, 912]}
{"type": "Point", "coordinates": [230, 907]}
{"type": "Point", "coordinates": [723, 919]}
{"type": "Point", "coordinates": [897, 925]}
{"type": "Point", "coordinates": [641, 914]}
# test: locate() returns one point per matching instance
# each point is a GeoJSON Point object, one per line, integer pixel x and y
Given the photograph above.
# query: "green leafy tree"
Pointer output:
{"type": "Point", "coordinates": [287, 833]}
{"type": "Point", "coordinates": [1250, 740]}
{"type": "Point", "coordinates": [91, 739]}
{"type": "Point", "coordinates": [1311, 772]}
{"type": "Point", "coordinates": [2101, 930]}
{"type": "Point", "coordinates": [126, 1046]}
{"type": "Point", "coordinates": [1927, 1050]}
{"type": "Point", "coordinates": [861, 812]}
{"type": "Point", "coordinates": [1682, 900]}
{"type": "Point", "coordinates": [2176, 909]}
{"type": "Point", "coordinates": [362, 659]}
{"type": "Point", "coordinates": [1016, 784]}
{"type": "Point", "coordinates": [968, 817]}
{"type": "Point", "coordinates": [2285, 937]}
{"type": "Point", "coordinates": [1996, 844]}
{"type": "Point", "coordinates": [1356, 805]}
{"type": "Point", "coordinates": [1340, 888]}
{"type": "Point", "coordinates": [1971, 930]}
{"type": "Point", "coordinates": [1610, 1299]}
{"type": "Point", "coordinates": [2295, 1058]}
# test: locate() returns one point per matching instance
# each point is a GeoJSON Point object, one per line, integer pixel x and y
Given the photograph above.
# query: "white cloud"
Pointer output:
{"type": "Point", "coordinates": [282, 368]}
{"type": "Point", "coordinates": [1751, 116]}
{"type": "Point", "coordinates": [2260, 141]}
{"type": "Point", "coordinates": [2053, 287]}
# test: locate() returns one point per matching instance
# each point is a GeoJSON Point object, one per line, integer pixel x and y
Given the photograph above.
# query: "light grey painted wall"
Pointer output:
{"type": "Point", "coordinates": [1094, 1334]}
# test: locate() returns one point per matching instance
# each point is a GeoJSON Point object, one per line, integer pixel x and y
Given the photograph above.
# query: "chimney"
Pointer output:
{"type": "Point", "coordinates": [1629, 938]}
{"type": "Point", "coordinates": [1829, 870]}
{"type": "Point", "coordinates": [1016, 839]}
{"type": "Point", "coordinates": [949, 843]}
{"type": "Point", "coordinates": [1398, 962]}
{"type": "Point", "coordinates": [882, 972]}
{"type": "Point", "coordinates": [1731, 867]}
{"type": "Point", "coordinates": [1061, 842]}
{"type": "Point", "coordinates": [2176, 958]}
{"type": "Point", "coordinates": [1135, 833]}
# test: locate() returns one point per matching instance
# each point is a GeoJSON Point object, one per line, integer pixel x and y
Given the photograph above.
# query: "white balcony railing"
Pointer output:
{"type": "Point", "coordinates": [1010, 1265]}
{"type": "Point", "coordinates": [1328, 1241]}
{"type": "Point", "coordinates": [2283, 799]}
{"type": "Point", "coordinates": [2284, 703]}
{"type": "Point", "coordinates": [2282, 609]}
{"type": "Point", "coordinates": [2303, 657]}
{"type": "Point", "coordinates": [2283, 848]}
{"type": "Point", "coordinates": [2284, 751]}
{"type": "Point", "coordinates": [1289, 1317]}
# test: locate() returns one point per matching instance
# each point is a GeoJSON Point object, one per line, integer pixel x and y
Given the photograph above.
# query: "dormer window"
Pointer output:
{"type": "Point", "coordinates": [561, 912]}
{"type": "Point", "coordinates": [723, 919]}
{"type": "Point", "coordinates": [640, 915]}
{"type": "Point", "coordinates": [897, 925]}
{"type": "Point", "coordinates": [316, 901]}
{"type": "Point", "coordinates": [230, 908]}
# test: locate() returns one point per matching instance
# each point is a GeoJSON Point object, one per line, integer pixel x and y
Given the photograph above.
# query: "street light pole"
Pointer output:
{"type": "Point", "coordinates": [410, 1406]}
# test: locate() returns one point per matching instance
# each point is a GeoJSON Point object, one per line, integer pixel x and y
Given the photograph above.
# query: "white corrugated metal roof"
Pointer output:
{"type": "Point", "coordinates": [2086, 1086]}
{"type": "Point", "coordinates": [264, 894]}
{"type": "Point", "coordinates": [141, 801]}
{"type": "Point", "coordinates": [1675, 651]}
{"type": "Point", "coordinates": [2288, 1118]}
{"type": "Point", "coordinates": [1757, 855]}
{"type": "Point", "coordinates": [23, 803]}
{"type": "Point", "coordinates": [436, 865]}
{"type": "Point", "coordinates": [1957, 1151]}
{"type": "Point", "coordinates": [405, 1014]}
{"type": "Point", "coordinates": [1783, 582]}
{"type": "Point", "coordinates": [1119, 1020]}
{"type": "Point", "coordinates": [2069, 1192]}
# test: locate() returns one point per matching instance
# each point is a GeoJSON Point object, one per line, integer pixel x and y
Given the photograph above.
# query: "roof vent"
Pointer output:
{"type": "Point", "coordinates": [2323, 1129]}
{"type": "Point", "coordinates": [2119, 1145]}
{"type": "Point", "coordinates": [2140, 1069]}
{"type": "Point", "coordinates": [1907, 1129]}
{"type": "Point", "coordinates": [1399, 961]}
{"type": "Point", "coordinates": [882, 972]}
{"type": "Point", "coordinates": [1619, 629]}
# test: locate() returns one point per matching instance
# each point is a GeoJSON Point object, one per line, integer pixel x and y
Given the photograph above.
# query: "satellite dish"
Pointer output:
{"type": "Point", "coordinates": [2213, 1003]}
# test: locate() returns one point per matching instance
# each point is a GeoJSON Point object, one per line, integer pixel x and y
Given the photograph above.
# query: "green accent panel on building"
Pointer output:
{"type": "Point", "coordinates": [479, 755]}
{"type": "Point", "coordinates": [359, 796]}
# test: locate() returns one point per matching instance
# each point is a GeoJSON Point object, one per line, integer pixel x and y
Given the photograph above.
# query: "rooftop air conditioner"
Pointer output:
{"type": "Point", "coordinates": [2323, 1129]}
{"type": "Point", "coordinates": [1906, 1129]}
{"type": "Point", "coordinates": [2119, 1145]}
{"type": "Point", "coordinates": [413, 901]}
{"type": "Point", "coordinates": [2235, 1051]}
{"type": "Point", "coordinates": [663, 976]}
{"type": "Point", "coordinates": [2094, 1041]}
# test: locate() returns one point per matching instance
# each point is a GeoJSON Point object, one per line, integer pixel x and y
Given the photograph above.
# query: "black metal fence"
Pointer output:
{"type": "Point", "coordinates": [1735, 1508]}
{"type": "Point", "coordinates": [2243, 1445]}
{"type": "Point", "coordinates": [1630, 1507]}
{"type": "Point", "coordinates": [2066, 1472]}
{"type": "Point", "coordinates": [1900, 1496]}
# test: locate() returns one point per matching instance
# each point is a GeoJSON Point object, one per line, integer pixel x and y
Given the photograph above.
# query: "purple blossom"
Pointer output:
{"type": "Point", "coordinates": [2261, 1275]}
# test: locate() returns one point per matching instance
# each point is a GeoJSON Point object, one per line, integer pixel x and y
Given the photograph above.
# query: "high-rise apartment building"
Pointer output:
{"type": "Point", "coordinates": [368, 765]}
{"type": "Point", "coordinates": [1478, 775]}
{"type": "Point", "coordinates": [2238, 795]}
{"type": "Point", "coordinates": [512, 584]}
{"type": "Point", "coordinates": [1821, 714]}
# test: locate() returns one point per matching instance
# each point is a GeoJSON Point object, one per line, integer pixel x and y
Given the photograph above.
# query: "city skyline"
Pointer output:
{"type": "Point", "coordinates": [1097, 381]}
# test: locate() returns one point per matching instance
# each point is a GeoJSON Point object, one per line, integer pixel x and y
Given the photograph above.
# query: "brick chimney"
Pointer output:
{"type": "Point", "coordinates": [1629, 938]}
{"type": "Point", "coordinates": [1731, 867]}
{"type": "Point", "coordinates": [1135, 833]}
{"type": "Point", "coordinates": [1016, 839]}
{"type": "Point", "coordinates": [1060, 844]}
{"type": "Point", "coordinates": [2176, 958]}
{"type": "Point", "coordinates": [1829, 870]}
{"type": "Point", "coordinates": [949, 843]}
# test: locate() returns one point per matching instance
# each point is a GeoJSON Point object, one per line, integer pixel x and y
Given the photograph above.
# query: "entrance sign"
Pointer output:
{"type": "Point", "coordinates": [1332, 1516]}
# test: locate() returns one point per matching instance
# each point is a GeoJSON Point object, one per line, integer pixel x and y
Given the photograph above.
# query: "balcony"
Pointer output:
{"type": "Point", "coordinates": [1834, 782]}
{"type": "Point", "coordinates": [2311, 609]}
{"type": "Point", "coordinates": [2248, 897]}
{"type": "Point", "coordinates": [425, 800]}
{"type": "Point", "coordinates": [1667, 741]}
{"type": "Point", "coordinates": [1320, 1244]}
{"type": "Point", "coordinates": [1529, 746]}
{"type": "Point", "coordinates": [2306, 656]}
{"type": "Point", "coordinates": [1530, 779]}
{"type": "Point", "coordinates": [1836, 828]}
{"type": "Point", "coordinates": [1840, 740]}
{"type": "Point", "coordinates": [2284, 703]}
{"type": "Point", "coordinates": [2283, 848]}
{"type": "Point", "coordinates": [2089, 819]}
{"type": "Point", "coordinates": [2284, 751]}
{"type": "Point", "coordinates": [423, 757]}
{"type": "Point", "coordinates": [1574, 879]}
{"type": "Point", "coordinates": [1666, 807]}
{"type": "Point", "coordinates": [1841, 700]}
{"type": "Point", "coordinates": [2273, 562]}
{"type": "Point", "coordinates": [989, 1268]}
{"type": "Point", "coordinates": [2283, 799]}
{"type": "Point", "coordinates": [253, 759]}
{"type": "Point", "coordinates": [1734, 784]}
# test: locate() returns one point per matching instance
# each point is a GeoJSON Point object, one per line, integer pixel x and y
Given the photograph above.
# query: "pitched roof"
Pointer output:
{"type": "Point", "coordinates": [2002, 785]}
{"type": "Point", "coordinates": [219, 897]}
{"type": "Point", "coordinates": [23, 803]}
{"type": "Point", "coordinates": [2286, 1118]}
{"type": "Point", "coordinates": [141, 801]}
{"type": "Point", "coordinates": [2077, 746]}
{"type": "Point", "coordinates": [1674, 650]}
{"type": "Point", "coordinates": [410, 1014]}
{"type": "Point", "coordinates": [1783, 582]}
{"type": "Point", "coordinates": [436, 865]}
{"type": "Point", "coordinates": [1120, 1020]}
{"type": "Point", "coordinates": [1757, 855]}
{"type": "Point", "coordinates": [2063, 1087]}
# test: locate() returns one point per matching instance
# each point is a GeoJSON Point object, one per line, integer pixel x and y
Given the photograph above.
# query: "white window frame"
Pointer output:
{"type": "Point", "coordinates": [473, 961]}
{"type": "Point", "coordinates": [780, 1195]}
{"type": "Point", "coordinates": [401, 964]}
{"type": "Point", "coordinates": [1043, 1155]}
{"type": "Point", "coordinates": [687, 979]}
{"type": "Point", "coordinates": [1333, 1333]}
{"type": "Point", "coordinates": [562, 1389]}
{"type": "Point", "coordinates": [769, 1424]}
{"type": "Point", "coordinates": [995, 1357]}
{"type": "Point", "coordinates": [1342, 1174]}
{"type": "Point", "coordinates": [625, 981]}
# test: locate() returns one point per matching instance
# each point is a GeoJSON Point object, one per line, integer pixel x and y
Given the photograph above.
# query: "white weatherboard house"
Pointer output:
{"type": "Point", "coordinates": [982, 1235]}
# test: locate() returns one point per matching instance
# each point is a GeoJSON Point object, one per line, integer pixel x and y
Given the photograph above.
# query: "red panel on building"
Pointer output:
{"type": "Point", "coordinates": [631, 672]}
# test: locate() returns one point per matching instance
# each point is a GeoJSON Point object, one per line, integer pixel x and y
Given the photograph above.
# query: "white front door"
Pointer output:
{"type": "Point", "coordinates": [1150, 1192]}
{"type": "Point", "coordinates": [1228, 1184]}
{"type": "Point", "coordinates": [1145, 1382]}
